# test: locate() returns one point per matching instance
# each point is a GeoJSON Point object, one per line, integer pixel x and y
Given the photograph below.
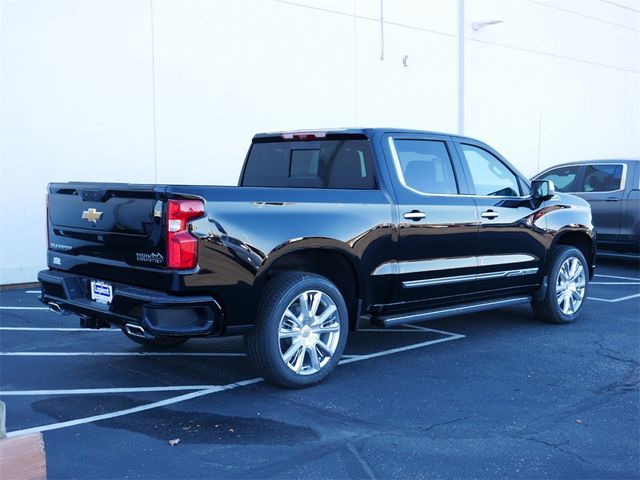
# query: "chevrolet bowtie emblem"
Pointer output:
{"type": "Point", "coordinates": [91, 215]}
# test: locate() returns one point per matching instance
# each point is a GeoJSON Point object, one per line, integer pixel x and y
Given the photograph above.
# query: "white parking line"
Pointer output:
{"type": "Point", "coordinates": [617, 277]}
{"type": "Point", "coordinates": [358, 358]}
{"type": "Point", "coordinates": [89, 391]}
{"type": "Point", "coordinates": [121, 354]}
{"type": "Point", "coordinates": [61, 329]}
{"type": "Point", "coordinates": [425, 329]}
{"type": "Point", "coordinates": [637, 282]}
{"type": "Point", "coordinates": [614, 300]}
{"type": "Point", "coordinates": [128, 411]}
{"type": "Point", "coordinates": [621, 255]}
{"type": "Point", "coordinates": [32, 291]}
{"type": "Point", "coordinates": [216, 389]}
{"type": "Point", "coordinates": [24, 308]}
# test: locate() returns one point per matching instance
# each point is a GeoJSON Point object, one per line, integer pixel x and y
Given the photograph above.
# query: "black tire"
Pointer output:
{"type": "Point", "coordinates": [548, 309]}
{"type": "Point", "coordinates": [164, 342]}
{"type": "Point", "coordinates": [264, 345]}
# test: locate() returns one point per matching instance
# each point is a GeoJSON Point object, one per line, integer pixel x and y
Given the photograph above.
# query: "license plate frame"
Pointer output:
{"type": "Point", "coordinates": [101, 292]}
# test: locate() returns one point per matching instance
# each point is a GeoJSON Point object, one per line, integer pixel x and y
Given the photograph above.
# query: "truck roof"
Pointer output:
{"type": "Point", "coordinates": [367, 131]}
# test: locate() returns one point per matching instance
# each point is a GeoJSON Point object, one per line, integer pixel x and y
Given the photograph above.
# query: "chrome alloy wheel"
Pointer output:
{"type": "Point", "coordinates": [570, 285]}
{"type": "Point", "coordinates": [309, 331]}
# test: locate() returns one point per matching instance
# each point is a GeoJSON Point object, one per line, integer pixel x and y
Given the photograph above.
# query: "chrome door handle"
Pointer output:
{"type": "Point", "coordinates": [490, 214]}
{"type": "Point", "coordinates": [414, 215]}
{"type": "Point", "coordinates": [613, 199]}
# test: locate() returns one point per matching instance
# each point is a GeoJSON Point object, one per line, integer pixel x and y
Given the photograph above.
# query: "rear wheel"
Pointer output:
{"type": "Point", "coordinates": [300, 332]}
{"type": "Point", "coordinates": [568, 277]}
{"type": "Point", "coordinates": [164, 342]}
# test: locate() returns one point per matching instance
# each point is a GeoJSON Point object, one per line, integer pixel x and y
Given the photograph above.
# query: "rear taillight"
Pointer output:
{"type": "Point", "coordinates": [182, 247]}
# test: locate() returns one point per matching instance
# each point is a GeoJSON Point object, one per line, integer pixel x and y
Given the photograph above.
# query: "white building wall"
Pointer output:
{"type": "Point", "coordinates": [171, 92]}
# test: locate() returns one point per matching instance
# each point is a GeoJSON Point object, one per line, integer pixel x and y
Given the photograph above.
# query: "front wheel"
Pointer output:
{"type": "Point", "coordinates": [300, 332]}
{"type": "Point", "coordinates": [568, 277]}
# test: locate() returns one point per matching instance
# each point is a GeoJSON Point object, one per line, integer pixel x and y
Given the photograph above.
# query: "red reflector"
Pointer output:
{"type": "Point", "coordinates": [182, 251]}
{"type": "Point", "coordinates": [182, 247]}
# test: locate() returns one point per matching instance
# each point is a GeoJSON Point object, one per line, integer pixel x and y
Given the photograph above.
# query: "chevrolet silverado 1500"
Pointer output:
{"type": "Point", "coordinates": [326, 228]}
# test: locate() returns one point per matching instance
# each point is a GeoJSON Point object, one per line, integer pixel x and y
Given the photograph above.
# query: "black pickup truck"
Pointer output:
{"type": "Point", "coordinates": [325, 229]}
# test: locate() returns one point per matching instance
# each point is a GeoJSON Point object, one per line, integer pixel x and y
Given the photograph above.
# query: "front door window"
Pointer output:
{"type": "Point", "coordinates": [489, 176]}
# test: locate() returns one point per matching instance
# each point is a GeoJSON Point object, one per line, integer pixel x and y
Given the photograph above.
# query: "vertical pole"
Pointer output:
{"type": "Point", "coordinates": [461, 67]}
{"type": "Point", "coordinates": [153, 94]}
{"type": "Point", "coordinates": [539, 139]}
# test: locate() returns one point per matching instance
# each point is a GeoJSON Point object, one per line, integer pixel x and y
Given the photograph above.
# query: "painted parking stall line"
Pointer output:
{"type": "Point", "coordinates": [619, 255]}
{"type": "Point", "coordinates": [59, 329]}
{"type": "Point", "coordinates": [347, 359]}
{"type": "Point", "coordinates": [617, 277]}
{"type": "Point", "coordinates": [358, 358]}
{"type": "Point", "coordinates": [23, 308]}
{"type": "Point", "coordinates": [618, 281]}
{"type": "Point", "coordinates": [121, 354]}
{"type": "Point", "coordinates": [94, 391]}
{"type": "Point", "coordinates": [129, 411]}
{"type": "Point", "coordinates": [615, 300]}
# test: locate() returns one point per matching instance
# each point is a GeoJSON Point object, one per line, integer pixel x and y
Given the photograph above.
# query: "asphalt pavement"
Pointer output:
{"type": "Point", "coordinates": [490, 395]}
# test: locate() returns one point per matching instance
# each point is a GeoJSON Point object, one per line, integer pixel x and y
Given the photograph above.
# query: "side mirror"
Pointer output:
{"type": "Point", "coordinates": [542, 189]}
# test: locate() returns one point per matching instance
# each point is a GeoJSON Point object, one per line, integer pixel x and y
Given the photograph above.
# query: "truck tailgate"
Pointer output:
{"type": "Point", "coordinates": [107, 221]}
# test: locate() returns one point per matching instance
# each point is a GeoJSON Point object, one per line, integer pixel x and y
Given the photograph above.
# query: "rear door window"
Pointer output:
{"type": "Point", "coordinates": [602, 178]}
{"type": "Point", "coordinates": [426, 166]}
{"type": "Point", "coordinates": [565, 179]}
{"type": "Point", "coordinates": [340, 164]}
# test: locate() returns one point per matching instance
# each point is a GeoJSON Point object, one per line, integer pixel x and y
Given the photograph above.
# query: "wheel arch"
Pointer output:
{"type": "Point", "coordinates": [337, 266]}
{"type": "Point", "coordinates": [582, 241]}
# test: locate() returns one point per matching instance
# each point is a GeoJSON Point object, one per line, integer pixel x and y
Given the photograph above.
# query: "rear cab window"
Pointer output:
{"type": "Point", "coordinates": [344, 163]}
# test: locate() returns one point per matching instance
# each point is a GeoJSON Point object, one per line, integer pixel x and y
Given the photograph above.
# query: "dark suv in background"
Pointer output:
{"type": "Point", "coordinates": [612, 188]}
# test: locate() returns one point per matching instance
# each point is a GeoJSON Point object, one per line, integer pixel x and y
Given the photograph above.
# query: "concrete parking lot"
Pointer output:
{"type": "Point", "coordinates": [487, 395]}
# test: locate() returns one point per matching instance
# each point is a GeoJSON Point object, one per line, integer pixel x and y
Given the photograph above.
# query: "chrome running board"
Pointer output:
{"type": "Point", "coordinates": [450, 311]}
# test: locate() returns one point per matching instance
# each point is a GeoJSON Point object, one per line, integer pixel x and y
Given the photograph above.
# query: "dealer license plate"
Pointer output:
{"type": "Point", "coordinates": [101, 292]}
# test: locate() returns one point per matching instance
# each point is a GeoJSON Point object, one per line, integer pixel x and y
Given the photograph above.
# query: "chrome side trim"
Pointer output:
{"type": "Point", "coordinates": [436, 264]}
{"type": "Point", "coordinates": [524, 271]}
{"type": "Point", "coordinates": [417, 266]}
{"type": "Point", "coordinates": [488, 260]}
{"type": "Point", "coordinates": [469, 278]}
{"type": "Point", "coordinates": [388, 268]}
{"type": "Point", "coordinates": [438, 281]}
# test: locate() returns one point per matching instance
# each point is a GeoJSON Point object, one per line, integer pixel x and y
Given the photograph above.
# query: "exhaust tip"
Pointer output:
{"type": "Point", "coordinates": [55, 308]}
{"type": "Point", "coordinates": [135, 330]}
